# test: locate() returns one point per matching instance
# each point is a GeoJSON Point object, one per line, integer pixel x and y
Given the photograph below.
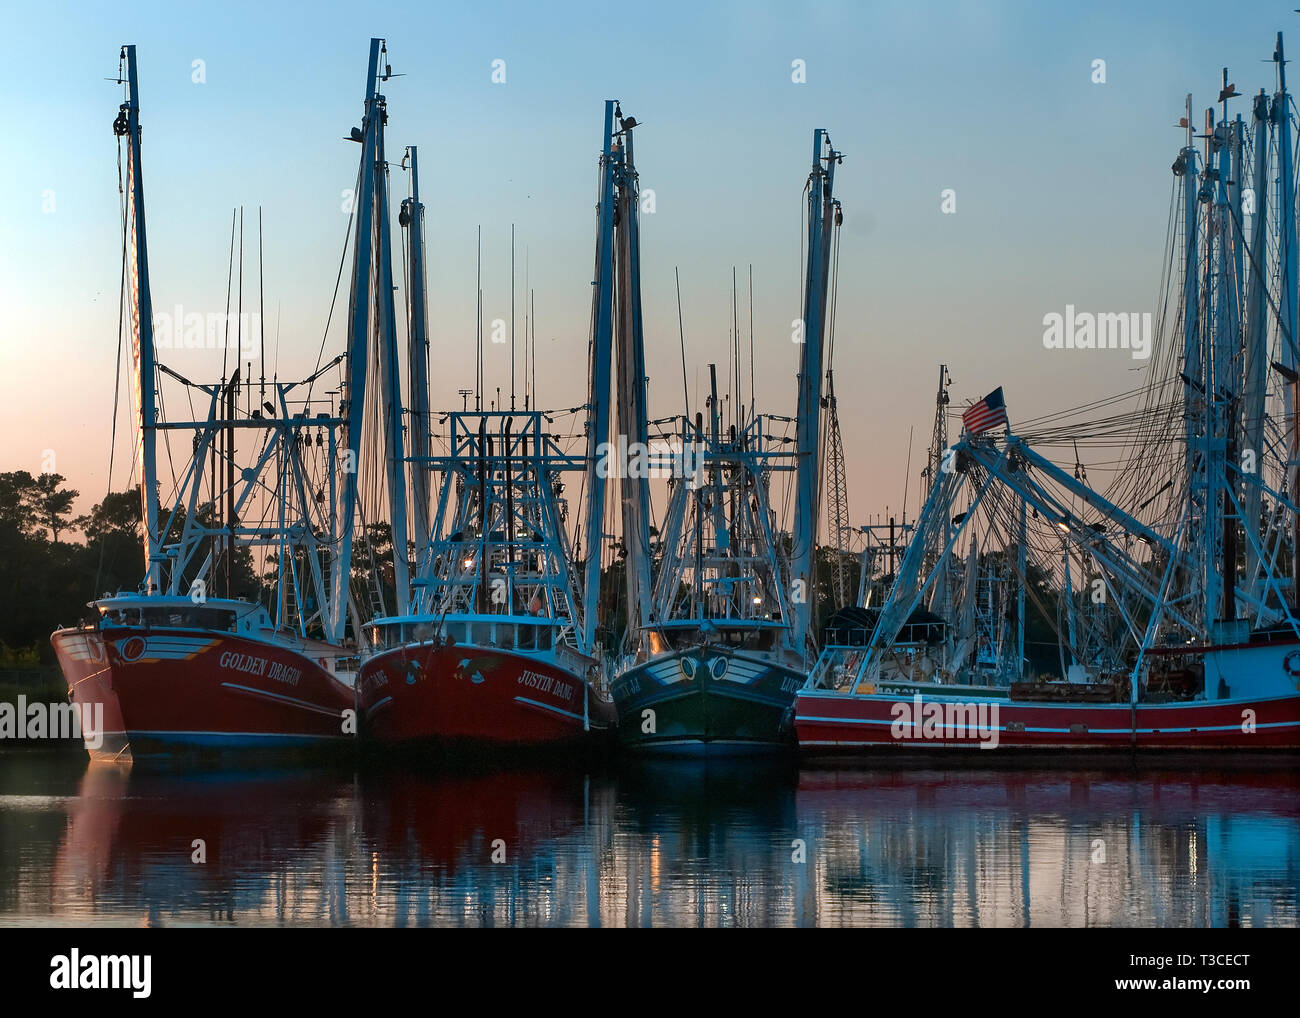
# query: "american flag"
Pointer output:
{"type": "Point", "coordinates": [987, 413]}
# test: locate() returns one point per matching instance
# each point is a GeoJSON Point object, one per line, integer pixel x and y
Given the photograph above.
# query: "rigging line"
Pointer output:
{"type": "Point", "coordinates": [117, 380]}
{"type": "Point", "coordinates": [835, 289]}
{"type": "Point", "coordinates": [230, 272]}
{"type": "Point", "coordinates": [803, 236]}
{"type": "Point", "coordinates": [1283, 327]}
{"type": "Point", "coordinates": [1069, 411]}
{"type": "Point", "coordinates": [320, 354]}
{"type": "Point", "coordinates": [681, 333]}
{"type": "Point", "coordinates": [1142, 443]}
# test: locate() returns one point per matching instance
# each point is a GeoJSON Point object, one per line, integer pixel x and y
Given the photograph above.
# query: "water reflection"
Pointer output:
{"type": "Point", "coordinates": [652, 844]}
{"type": "Point", "coordinates": [1054, 848]}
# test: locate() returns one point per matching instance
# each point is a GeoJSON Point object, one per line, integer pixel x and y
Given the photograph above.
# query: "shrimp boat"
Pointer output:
{"type": "Point", "coordinates": [494, 644]}
{"type": "Point", "coordinates": [490, 654]}
{"type": "Point", "coordinates": [1174, 604]}
{"type": "Point", "coordinates": [175, 668]}
{"type": "Point", "coordinates": [718, 616]}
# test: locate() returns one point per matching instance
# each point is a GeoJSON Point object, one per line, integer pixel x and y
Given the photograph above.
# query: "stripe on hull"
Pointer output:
{"type": "Point", "coordinates": [874, 722]}
{"type": "Point", "coordinates": [186, 691]}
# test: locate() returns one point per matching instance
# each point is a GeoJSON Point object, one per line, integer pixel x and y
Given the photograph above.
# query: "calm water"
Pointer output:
{"type": "Point", "coordinates": [659, 845]}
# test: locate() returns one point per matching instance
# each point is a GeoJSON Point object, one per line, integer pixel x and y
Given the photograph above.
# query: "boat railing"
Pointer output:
{"type": "Point", "coordinates": [822, 666]}
{"type": "Point", "coordinates": [510, 632]}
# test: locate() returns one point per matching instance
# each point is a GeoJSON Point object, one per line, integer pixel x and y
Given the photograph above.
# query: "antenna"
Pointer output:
{"type": "Point", "coordinates": [512, 316]}
{"type": "Point", "coordinates": [527, 290]}
{"type": "Point", "coordinates": [681, 332]}
{"type": "Point", "coordinates": [478, 333]}
{"type": "Point", "coordinates": [239, 319]}
{"type": "Point", "coordinates": [735, 338]}
{"type": "Point", "coordinates": [261, 305]}
{"type": "Point", "coordinates": [751, 340]}
{"type": "Point", "coordinates": [230, 275]}
{"type": "Point", "coordinates": [908, 472]}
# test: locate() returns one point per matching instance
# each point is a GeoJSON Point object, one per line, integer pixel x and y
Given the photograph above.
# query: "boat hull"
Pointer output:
{"type": "Point", "coordinates": [461, 697]}
{"type": "Point", "coordinates": [165, 693]}
{"type": "Point", "coordinates": [829, 723]}
{"type": "Point", "coordinates": [703, 701]}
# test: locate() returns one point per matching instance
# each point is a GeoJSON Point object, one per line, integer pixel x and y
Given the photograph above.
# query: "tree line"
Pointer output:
{"type": "Point", "coordinates": [46, 578]}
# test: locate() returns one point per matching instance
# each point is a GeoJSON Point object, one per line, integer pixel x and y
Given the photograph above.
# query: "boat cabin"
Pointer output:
{"type": "Point", "coordinates": [154, 612]}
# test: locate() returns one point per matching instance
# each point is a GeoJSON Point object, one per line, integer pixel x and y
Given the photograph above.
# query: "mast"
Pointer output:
{"type": "Point", "coordinates": [391, 379]}
{"type": "Point", "coordinates": [1289, 269]}
{"type": "Point", "coordinates": [412, 218]}
{"type": "Point", "coordinates": [1255, 388]}
{"type": "Point", "coordinates": [1210, 478]}
{"type": "Point", "coordinates": [821, 209]}
{"type": "Point", "coordinates": [1194, 382]}
{"type": "Point", "coordinates": [598, 410]}
{"type": "Point", "coordinates": [357, 354]}
{"type": "Point", "coordinates": [1226, 387]}
{"type": "Point", "coordinates": [140, 305]}
{"type": "Point", "coordinates": [632, 410]}
{"type": "Point", "coordinates": [1022, 568]}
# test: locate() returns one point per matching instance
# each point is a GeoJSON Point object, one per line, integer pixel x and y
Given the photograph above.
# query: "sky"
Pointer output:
{"type": "Point", "coordinates": [1057, 187]}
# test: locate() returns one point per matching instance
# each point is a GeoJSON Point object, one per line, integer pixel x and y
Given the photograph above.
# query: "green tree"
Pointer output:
{"type": "Point", "coordinates": [52, 504]}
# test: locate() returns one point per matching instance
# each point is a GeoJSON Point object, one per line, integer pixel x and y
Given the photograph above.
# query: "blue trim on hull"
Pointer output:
{"type": "Point", "coordinates": [137, 745]}
{"type": "Point", "coordinates": [699, 749]}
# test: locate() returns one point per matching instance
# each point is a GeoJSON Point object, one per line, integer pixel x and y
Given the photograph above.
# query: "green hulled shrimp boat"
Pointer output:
{"type": "Point", "coordinates": [719, 618]}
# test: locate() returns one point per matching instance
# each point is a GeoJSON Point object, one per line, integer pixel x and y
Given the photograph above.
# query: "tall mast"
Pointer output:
{"type": "Point", "coordinates": [598, 399]}
{"type": "Point", "coordinates": [632, 400]}
{"type": "Point", "coordinates": [941, 598]}
{"type": "Point", "coordinates": [1226, 368]}
{"type": "Point", "coordinates": [1255, 388]}
{"type": "Point", "coordinates": [412, 217]}
{"type": "Point", "coordinates": [1290, 266]}
{"type": "Point", "coordinates": [358, 351]}
{"type": "Point", "coordinates": [391, 380]}
{"type": "Point", "coordinates": [140, 305]}
{"type": "Point", "coordinates": [1210, 476]}
{"type": "Point", "coordinates": [1194, 386]}
{"type": "Point", "coordinates": [821, 208]}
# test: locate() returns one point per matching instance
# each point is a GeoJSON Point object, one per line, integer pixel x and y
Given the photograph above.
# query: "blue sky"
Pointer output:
{"type": "Point", "coordinates": [1062, 186]}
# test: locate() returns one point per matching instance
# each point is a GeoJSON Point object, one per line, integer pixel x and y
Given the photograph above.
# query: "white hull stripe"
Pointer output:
{"type": "Point", "coordinates": [375, 706]}
{"type": "Point", "coordinates": [229, 735]}
{"type": "Point", "coordinates": [1066, 731]}
{"type": "Point", "coordinates": [956, 746]}
{"type": "Point", "coordinates": [806, 695]}
{"type": "Point", "coordinates": [547, 706]}
{"type": "Point", "coordinates": [281, 698]}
